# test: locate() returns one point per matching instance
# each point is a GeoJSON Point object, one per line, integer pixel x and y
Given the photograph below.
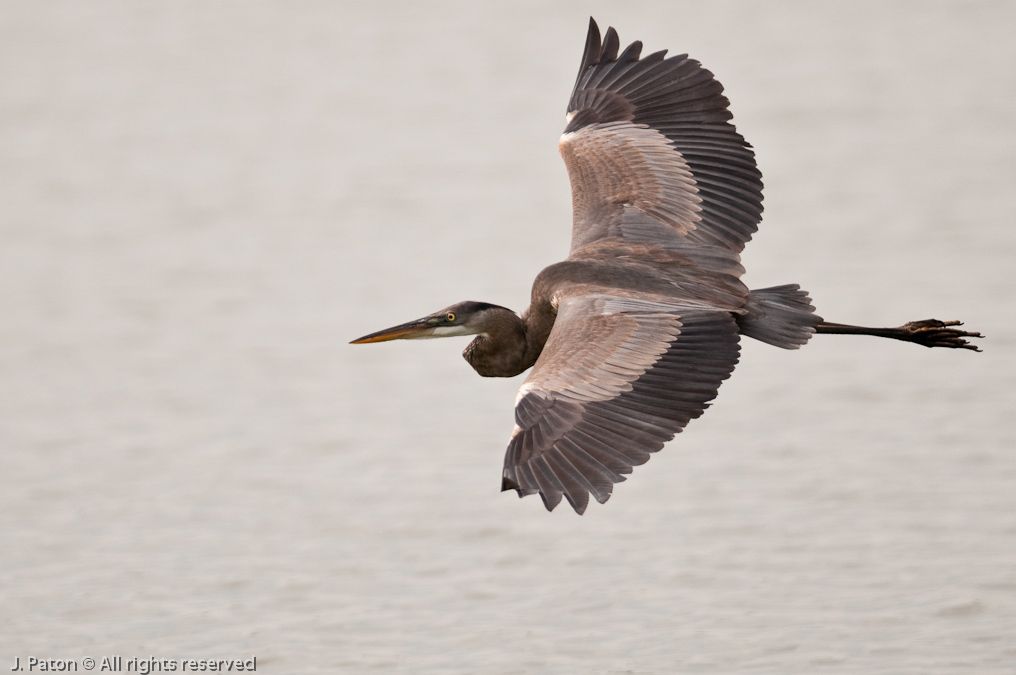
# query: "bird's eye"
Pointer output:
{"type": "Point", "coordinates": [450, 316]}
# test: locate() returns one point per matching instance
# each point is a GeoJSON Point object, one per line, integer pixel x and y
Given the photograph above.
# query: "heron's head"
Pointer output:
{"type": "Point", "coordinates": [464, 318]}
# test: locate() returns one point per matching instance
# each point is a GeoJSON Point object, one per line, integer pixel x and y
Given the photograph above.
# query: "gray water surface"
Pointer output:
{"type": "Point", "coordinates": [202, 203]}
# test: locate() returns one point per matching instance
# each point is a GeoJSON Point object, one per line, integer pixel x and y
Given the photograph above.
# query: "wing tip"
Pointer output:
{"type": "Point", "coordinates": [601, 50]}
{"type": "Point", "coordinates": [507, 483]}
{"type": "Point", "coordinates": [591, 54]}
{"type": "Point", "coordinates": [611, 43]}
{"type": "Point", "coordinates": [551, 498]}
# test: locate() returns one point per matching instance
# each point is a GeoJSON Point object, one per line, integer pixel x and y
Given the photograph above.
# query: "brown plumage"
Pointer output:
{"type": "Point", "coordinates": [630, 337]}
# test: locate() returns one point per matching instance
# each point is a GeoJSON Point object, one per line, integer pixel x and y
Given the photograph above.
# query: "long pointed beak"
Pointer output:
{"type": "Point", "coordinates": [421, 328]}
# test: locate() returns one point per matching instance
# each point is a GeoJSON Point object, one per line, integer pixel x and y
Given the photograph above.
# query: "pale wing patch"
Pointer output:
{"type": "Point", "coordinates": [600, 345]}
{"type": "Point", "coordinates": [620, 163]}
{"type": "Point", "coordinates": [523, 390]}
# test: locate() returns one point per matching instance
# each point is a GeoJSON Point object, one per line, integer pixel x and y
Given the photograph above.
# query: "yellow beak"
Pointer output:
{"type": "Point", "coordinates": [421, 328]}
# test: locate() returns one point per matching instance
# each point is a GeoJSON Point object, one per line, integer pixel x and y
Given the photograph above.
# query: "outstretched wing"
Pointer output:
{"type": "Point", "coordinates": [651, 153]}
{"type": "Point", "coordinates": [617, 378]}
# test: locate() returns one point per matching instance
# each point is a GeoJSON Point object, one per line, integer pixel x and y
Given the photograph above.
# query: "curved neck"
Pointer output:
{"type": "Point", "coordinates": [506, 346]}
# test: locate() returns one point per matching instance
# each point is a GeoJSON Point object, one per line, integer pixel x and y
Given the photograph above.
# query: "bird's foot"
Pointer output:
{"type": "Point", "coordinates": [935, 333]}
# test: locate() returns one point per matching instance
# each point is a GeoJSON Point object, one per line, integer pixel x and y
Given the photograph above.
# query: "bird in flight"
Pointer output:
{"type": "Point", "coordinates": [631, 335]}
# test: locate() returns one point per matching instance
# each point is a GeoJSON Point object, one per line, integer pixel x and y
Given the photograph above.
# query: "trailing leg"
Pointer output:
{"type": "Point", "coordinates": [930, 333]}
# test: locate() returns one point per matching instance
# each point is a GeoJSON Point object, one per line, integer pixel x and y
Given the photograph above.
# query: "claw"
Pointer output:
{"type": "Point", "coordinates": [935, 333]}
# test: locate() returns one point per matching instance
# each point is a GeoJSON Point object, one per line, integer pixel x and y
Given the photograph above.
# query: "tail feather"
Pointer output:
{"type": "Point", "coordinates": [781, 316]}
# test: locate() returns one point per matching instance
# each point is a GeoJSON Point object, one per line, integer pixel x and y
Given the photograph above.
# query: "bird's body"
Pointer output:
{"type": "Point", "coordinates": [631, 335]}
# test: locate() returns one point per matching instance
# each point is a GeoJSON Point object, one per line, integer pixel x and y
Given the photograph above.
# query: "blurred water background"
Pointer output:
{"type": "Point", "coordinates": [202, 203]}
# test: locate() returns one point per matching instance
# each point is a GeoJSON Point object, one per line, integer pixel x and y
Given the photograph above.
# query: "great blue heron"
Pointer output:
{"type": "Point", "coordinates": [632, 334]}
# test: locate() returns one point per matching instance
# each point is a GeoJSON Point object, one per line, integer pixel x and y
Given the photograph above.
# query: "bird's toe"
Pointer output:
{"type": "Point", "coordinates": [935, 333]}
